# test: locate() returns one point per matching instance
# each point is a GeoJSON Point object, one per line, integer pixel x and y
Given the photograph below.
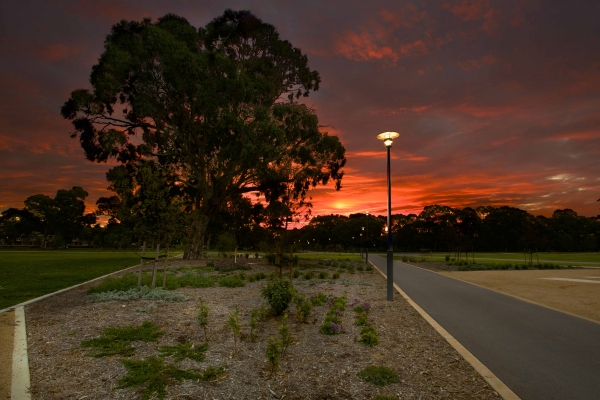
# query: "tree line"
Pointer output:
{"type": "Point", "coordinates": [248, 226]}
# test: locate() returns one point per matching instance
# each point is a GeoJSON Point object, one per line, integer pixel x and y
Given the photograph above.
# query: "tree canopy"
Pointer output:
{"type": "Point", "coordinates": [217, 108]}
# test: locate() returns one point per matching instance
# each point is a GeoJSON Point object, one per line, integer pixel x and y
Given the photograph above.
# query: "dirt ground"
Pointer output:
{"type": "Point", "coordinates": [316, 367]}
{"type": "Point", "coordinates": [7, 332]}
{"type": "Point", "coordinates": [579, 298]}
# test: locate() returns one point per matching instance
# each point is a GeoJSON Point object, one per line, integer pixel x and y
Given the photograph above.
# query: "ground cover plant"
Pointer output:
{"type": "Point", "coordinates": [29, 274]}
{"type": "Point", "coordinates": [379, 375]}
{"type": "Point", "coordinates": [298, 362]}
{"type": "Point", "coordinates": [117, 340]}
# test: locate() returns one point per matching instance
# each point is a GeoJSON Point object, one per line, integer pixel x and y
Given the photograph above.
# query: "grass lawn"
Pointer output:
{"type": "Point", "coordinates": [592, 259]}
{"type": "Point", "coordinates": [25, 275]}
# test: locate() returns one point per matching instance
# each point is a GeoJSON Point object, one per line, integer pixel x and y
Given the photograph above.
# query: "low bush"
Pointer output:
{"type": "Point", "coordinates": [309, 275]}
{"type": "Point", "coordinates": [335, 276]}
{"type": "Point", "coordinates": [118, 340]}
{"type": "Point", "coordinates": [232, 281]}
{"type": "Point", "coordinates": [181, 351]}
{"type": "Point", "coordinates": [323, 275]}
{"type": "Point", "coordinates": [296, 273]}
{"type": "Point", "coordinates": [379, 376]}
{"type": "Point", "coordinates": [156, 294]}
{"type": "Point", "coordinates": [279, 294]}
{"type": "Point", "coordinates": [368, 336]}
{"type": "Point", "coordinates": [360, 268]}
{"type": "Point", "coordinates": [361, 319]}
{"type": "Point", "coordinates": [273, 353]}
{"type": "Point", "coordinates": [319, 299]}
{"type": "Point", "coordinates": [303, 307]}
{"type": "Point", "coordinates": [369, 268]}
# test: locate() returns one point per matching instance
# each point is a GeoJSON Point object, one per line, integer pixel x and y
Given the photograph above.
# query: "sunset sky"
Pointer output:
{"type": "Point", "coordinates": [497, 102]}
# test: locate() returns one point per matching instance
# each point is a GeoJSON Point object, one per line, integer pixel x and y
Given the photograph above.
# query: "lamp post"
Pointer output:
{"type": "Point", "coordinates": [388, 139]}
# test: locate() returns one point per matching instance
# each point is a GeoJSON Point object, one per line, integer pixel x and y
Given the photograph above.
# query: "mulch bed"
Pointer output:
{"type": "Point", "coordinates": [316, 366]}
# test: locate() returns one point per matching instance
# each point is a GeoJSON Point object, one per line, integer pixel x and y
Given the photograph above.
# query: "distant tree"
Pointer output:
{"type": "Point", "coordinates": [62, 215]}
{"type": "Point", "coordinates": [15, 223]}
{"type": "Point", "coordinates": [218, 107]}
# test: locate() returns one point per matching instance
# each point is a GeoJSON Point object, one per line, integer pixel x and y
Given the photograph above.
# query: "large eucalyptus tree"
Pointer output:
{"type": "Point", "coordinates": [217, 107]}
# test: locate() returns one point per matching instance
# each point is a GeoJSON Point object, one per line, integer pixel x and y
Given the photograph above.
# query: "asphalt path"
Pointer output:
{"type": "Point", "coordinates": [537, 352]}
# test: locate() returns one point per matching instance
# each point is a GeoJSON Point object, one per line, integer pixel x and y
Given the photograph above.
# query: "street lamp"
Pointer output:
{"type": "Point", "coordinates": [388, 138]}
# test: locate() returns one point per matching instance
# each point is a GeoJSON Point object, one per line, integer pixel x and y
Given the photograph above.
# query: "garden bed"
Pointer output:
{"type": "Point", "coordinates": [316, 366]}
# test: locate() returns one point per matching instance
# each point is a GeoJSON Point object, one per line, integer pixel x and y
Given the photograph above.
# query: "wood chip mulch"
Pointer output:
{"type": "Point", "coordinates": [316, 366]}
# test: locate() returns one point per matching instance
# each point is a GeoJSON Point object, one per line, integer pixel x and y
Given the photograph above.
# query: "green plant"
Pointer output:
{"type": "Point", "coordinates": [379, 376]}
{"type": "Point", "coordinates": [361, 319]}
{"type": "Point", "coordinates": [351, 269]}
{"type": "Point", "coordinates": [309, 275]}
{"type": "Point", "coordinates": [182, 351]}
{"type": "Point", "coordinates": [153, 375]}
{"type": "Point", "coordinates": [369, 268]}
{"type": "Point", "coordinates": [335, 276]}
{"type": "Point", "coordinates": [232, 281]}
{"type": "Point", "coordinates": [285, 334]}
{"type": "Point", "coordinates": [118, 340]}
{"type": "Point", "coordinates": [368, 336]}
{"type": "Point", "coordinates": [144, 292]}
{"type": "Point", "coordinates": [360, 268]}
{"type": "Point", "coordinates": [323, 275]}
{"type": "Point", "coordinates": [303, 307]}
{"type": "Point", "coordinates": [296, 273]}
{"type": "Point", "coordinates": [263, 313]}
{"type": "Point", "coordinates": [203, 317]}
{"type": "Point", "coordinates": [273, 353]}
{"type": "Point", "coordinates": [319, 299]}
{"type": "Point", "coordinates": [233, 323]}
{"type": "Point", "coordinates": [253, 324]}
{"type": "Point", "coordinates": [211, 373]}
{"type": "Point", "coordinates": [278, 293]}
{"type": "Point", "coordinates": [447, 258]}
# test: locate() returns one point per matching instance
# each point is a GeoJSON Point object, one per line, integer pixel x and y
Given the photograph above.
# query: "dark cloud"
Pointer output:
{"type": "Point", "coordinates": [497, 102]}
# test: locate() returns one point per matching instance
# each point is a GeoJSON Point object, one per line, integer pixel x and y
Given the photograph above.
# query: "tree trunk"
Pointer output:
{"type": "Point", "coordinates": [141, 265]}
{"type": "Point", "coordinates": [155, 262]}
{"type": "Point", "coordinates": [194, 251]}
{"type": "Point", "coordinates": [165, 267]}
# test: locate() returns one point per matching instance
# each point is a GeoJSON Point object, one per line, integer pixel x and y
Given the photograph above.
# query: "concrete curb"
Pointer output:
{"type": "Point", "coordinates": [25, 303]}
{"type": "Point", "coordinates": [489, 376]}
{"type": "Point", "coordinates": [20, 380]}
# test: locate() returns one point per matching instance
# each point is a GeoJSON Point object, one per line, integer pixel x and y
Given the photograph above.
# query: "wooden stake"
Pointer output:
{"type": "Point", "coordinates": [141, 265]}
{"type": "Point", "coordinates": [154, 268]}
{"type": "Point", "coordinates": [165, 267]}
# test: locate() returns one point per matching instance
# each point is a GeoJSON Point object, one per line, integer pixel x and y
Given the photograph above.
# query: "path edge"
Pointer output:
{"type": "Point", "coordinates": [20, 379]}
{"type": "Point", "coordinates": [489, 376]}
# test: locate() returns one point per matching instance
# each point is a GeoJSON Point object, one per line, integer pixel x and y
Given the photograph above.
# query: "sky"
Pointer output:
{"type": "Point", "coordinates": [496, 102]}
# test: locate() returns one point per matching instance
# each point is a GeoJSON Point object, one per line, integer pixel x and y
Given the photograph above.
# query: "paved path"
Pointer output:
{"type": "Point", "coordinates": [537, 352]}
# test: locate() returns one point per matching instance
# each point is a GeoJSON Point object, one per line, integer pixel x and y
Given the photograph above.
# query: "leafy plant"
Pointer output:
{"type": "Point", "coordinates": [379, 375]}
{"type": "Point", "coordinates": [232, 281]}
{"type": "Point", "coordinates": [323, 275]}
{"type": "Point", "coordinates": [203, 317]}
{"type": "Point", "coordinates": [153, 375]}
{"type": "Point", "coordinates": [319, 299]}
{"type": "Point", "coordinates": [361, 319]}
{"type": "Point", "coordinates": [368, 336]}
{"type": "Point", "coordinates": [303, 307]}
{"type": "Point", "coordinates": [118, 340]}
{"type": "Point", "coordinates": [309, 275]}
{"type": "Point", "coordinates": [296, 274]}
{"type": "Point", "coordinates": [335, 276]}
{"type": "Point", "coordinates": [273, 353]}
{"type": "Point", "coordinates": [253, 324]}
{"type": "Point", "coordinates": [278, 293]}
{"type": "Point", "coordinates": [211, 373]}
{"type": "Point", "coordinates": [369, 268]}
{"type": "Point", "coordinates": [233, 323]}
{"type": "Point", "coordinates": [182, 351]}
{"type": "Point", "coordinates": [285, 334]}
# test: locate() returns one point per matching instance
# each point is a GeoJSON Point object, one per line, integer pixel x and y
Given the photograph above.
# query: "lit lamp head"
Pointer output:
{"type": "Point", "coordinates": [388, 137]}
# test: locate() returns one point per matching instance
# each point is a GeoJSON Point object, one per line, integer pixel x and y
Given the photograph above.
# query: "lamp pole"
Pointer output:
{"type": "Point", "coordinates": [388, 139]}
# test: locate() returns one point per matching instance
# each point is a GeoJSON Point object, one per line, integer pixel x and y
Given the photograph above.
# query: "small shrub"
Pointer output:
{"type": "Point", "coordinates": [153, 374]}
{"type": "Point", "coordinates": [211, 373]}
{"type": "Point", "coordinates": [379, 376]}
{"type": "Point", "coordinates": [319, 299]}
{"type": "Point", "coordinates": [351, 270]}
{"type": "Point", "coordinates": [360, 268]}
{"type": "Point", "coordinates": [309, 275]}
{"type": "Point", "coordinates": [233, 323]}
{"type": "Point", "coordinates": [203, 317]}
{"type": "Point", "coordinates": [303, 307]}
{"type": "Point", "coordinates": [362, 308]}
{"type": "Point", "coordinates": [232, 281]}
{"type": "Point", "coordinates": [330, 328]}
{"type": "Point", "coordinates": [273, 353]}
{"type": "Point", "coordinates": [369, 268]}
{"type": "Point", "coordinates": [285, 334]}
{"type": "Point", "coordinates": [253, 324]}
{"type": "Point", "coordinates": [323, 275]}
{"type": "Point", "coordinates": [296, 273]}
{"type": "Point", "coordinates": [251, 278]}
{"type": "Point", "coordinates": [181, 351]}
{"type": "Point", "coordinates": [278, 293]}
{"type": "Point", "coordinates": [362, 319]}
{"type": "Point", "coordinates": [447, 258]}
{"type": "Point", "coordinates": [118, 340]}
{"type": "Point", "coordinates": [263, 313]}
{"type": "Point", "coordinates": [336, 276]}
{"type": "Point", "coordinates": [368, 336]}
